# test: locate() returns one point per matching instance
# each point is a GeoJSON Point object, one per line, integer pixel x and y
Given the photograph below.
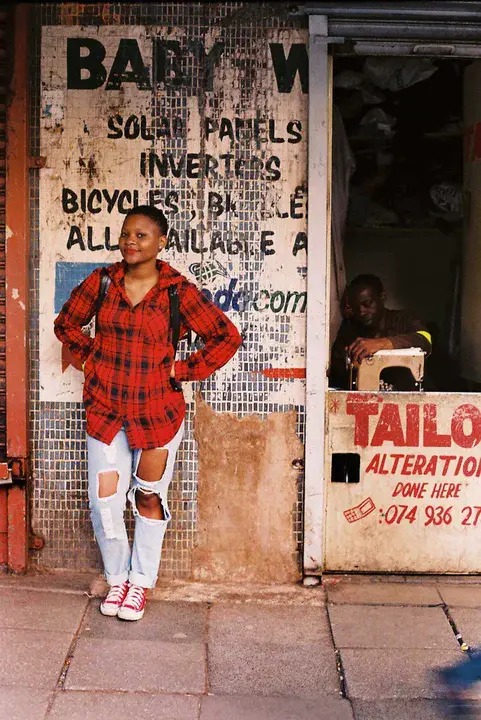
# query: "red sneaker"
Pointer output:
{"type": "Point", "coordinates": [134, 604]}
{"type": "Point", "coordinates": [114, 599]}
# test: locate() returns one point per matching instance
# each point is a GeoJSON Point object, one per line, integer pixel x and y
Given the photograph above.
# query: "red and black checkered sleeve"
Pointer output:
{"type": "Point", "coordinates": [76, 313]}
{"type": "Point", "coordinates": [221, 337]}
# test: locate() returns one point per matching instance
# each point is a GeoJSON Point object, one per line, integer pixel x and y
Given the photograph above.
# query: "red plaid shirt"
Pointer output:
{"type": "Point", "coordinates": [128, 363]}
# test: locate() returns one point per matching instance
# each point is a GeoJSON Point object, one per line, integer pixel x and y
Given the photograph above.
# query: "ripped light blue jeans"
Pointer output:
{"type": "Point", "coordinates": [141, 564]}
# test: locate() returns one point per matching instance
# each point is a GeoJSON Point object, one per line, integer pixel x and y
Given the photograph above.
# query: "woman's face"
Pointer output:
{"type": "Point", "coordinates": [140, 240]}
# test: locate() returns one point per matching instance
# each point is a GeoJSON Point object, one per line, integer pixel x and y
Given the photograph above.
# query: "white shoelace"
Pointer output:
{"type": "Point", "coordinates": [135, 596]}
{"type": "Point", "coordinates": [115, 594]}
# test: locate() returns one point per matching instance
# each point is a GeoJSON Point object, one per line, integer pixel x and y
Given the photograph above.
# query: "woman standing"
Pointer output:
{"type": "Point", "coordinates": [135, 413]}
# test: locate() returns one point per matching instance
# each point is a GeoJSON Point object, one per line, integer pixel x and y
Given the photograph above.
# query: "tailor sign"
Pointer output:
{"type": "Point", "coordinates": [415, 504]}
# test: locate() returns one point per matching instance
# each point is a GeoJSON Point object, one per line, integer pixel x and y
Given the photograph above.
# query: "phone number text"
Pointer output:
{"type": "Point", "coordinates": [470, 515]}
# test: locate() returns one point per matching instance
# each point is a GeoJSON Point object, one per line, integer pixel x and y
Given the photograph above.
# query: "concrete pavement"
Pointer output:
{"type": "Point", "coordinates": [355, 647]}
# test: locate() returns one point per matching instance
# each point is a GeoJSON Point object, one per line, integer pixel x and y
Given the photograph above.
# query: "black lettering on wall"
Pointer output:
{"type": "Point", "coordinates": [286, 68]}
{"type": "Point", "coordinates": [217, 242]}
{"type": "Point", "coordinates": [90, 239]}
{"type": "Point", "coordinates": [91, 62]}
{"type": "Point", "coordinates": [93, 201]}
{"type": "Point", "coordinates": [69, 201]}
{"type": "Point", "coordinates": [266, 242]}
{"type": "Point", "coordinates": [75, 238]}
{"type": "Point", "coordinates": [272, 167]}
{"type": "Point", "coordinates": [293, 128]}
{"type": "Point", "coordinates": [171, 201]}
{"type": "Point", "coordinates": [218, 204]}
{"type": "Point", "coordinates": [300, 243]}
{"type": "Point", "coordinates": [128, 53]}
{"type": "Point", "coordinates": [272, 132]}
{"type": "Point", "coordinates": [195, 165]}
{"type": "Point", "coordinates": [208, 60]}
{"type": "Point", "coordinates": [138, 126]}
{"type": "Point", "coordinates": [108, 244]}
{"type": "Point", "coordinates": [115, 132]}
{"type": "Point", "coordinates": [166, 59]}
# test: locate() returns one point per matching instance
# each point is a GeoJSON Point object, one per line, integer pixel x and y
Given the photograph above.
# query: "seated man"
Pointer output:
{"type": "Point", "coordinates": [371, 327]}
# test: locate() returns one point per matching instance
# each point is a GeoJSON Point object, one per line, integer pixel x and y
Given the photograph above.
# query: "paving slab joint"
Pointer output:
{"type": "Point", "coordinates": [206, 653]}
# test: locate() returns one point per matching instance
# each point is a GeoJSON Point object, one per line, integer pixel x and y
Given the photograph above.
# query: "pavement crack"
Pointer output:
{"type": "Point", "coordinates": [65, 667]}
{"type": "Point", "coordinates": [339, 666]}
{"type": "Point", "coordinates": [69, 657]}
{"type": "Point", "coordinates": [464, 646]}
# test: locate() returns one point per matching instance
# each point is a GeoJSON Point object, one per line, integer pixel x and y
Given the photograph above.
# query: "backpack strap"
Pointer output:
{"type": "Point", "coordinates": [174, 306]}
{"type": "Point", "coordinates": [103, 290]}
{"type": "Point", "coordinates": [174, 316]}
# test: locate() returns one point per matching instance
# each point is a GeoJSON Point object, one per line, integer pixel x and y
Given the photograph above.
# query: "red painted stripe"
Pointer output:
{"type": "Point", "coordinates": [3, 510]}
{"type": "Point", "coordinates": [283, 372]}
{"type": "Point", "coordinates": [3, 548]}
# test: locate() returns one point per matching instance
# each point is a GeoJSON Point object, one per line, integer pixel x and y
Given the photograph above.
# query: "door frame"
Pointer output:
{"type": "Point", "coordinates": [318, 283]}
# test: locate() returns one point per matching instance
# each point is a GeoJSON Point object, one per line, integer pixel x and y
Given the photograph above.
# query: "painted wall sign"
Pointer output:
{"type": "Point", "coordinates": [416, 505]}
{"type": "Point", "coordinates": [133, 115]}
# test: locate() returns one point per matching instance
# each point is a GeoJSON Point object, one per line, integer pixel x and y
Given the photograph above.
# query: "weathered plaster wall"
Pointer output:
{"type": "Point", "coordinates": [247, 493]}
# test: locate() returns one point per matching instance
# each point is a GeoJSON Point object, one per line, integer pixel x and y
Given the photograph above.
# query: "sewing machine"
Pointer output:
{"type": "Point", "coordinates": [370, 369]}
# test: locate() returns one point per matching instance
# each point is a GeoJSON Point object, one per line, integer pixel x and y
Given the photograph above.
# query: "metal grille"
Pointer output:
{"type": "Point", "coordinates": [58, 429]}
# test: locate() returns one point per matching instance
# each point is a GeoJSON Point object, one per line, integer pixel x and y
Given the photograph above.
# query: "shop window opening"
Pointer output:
{"type": "Point", "coordinates": [345, 467]}
{"type": "Point", "coordinates": [403, 196]}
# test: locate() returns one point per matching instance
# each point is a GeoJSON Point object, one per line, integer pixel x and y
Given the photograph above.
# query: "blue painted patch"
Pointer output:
{"type": "Point", "coordinates": [67, 276]}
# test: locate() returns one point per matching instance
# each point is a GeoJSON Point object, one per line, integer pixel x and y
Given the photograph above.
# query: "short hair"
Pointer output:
{"type": "Point", "coordinates": [365, 281]}
{"type": "Point", "coordinates": [151, 212]}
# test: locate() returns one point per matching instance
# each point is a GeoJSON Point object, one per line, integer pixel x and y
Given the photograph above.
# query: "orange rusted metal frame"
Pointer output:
{"type": "Point", "coordinates": [17, 283]}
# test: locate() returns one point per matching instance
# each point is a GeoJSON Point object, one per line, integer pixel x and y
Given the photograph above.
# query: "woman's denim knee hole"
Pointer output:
{"type": "Point", "coordinates": [143, 486]}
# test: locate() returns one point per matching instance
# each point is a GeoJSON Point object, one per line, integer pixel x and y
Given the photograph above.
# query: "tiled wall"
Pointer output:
{"type": "Point", "coordinates": [60, 508]}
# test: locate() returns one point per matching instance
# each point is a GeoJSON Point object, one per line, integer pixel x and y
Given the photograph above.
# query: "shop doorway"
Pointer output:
{"type": "Point", "coordinates": [408, 496]}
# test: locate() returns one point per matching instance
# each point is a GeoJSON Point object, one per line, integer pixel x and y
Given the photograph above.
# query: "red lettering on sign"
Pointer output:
{"type": "Point", "coordinates": [447, 462]}
{"type": "Point", "coordinates": [374, 464]}
{"type": "Point", "coordinates": [416, 490]}
{"type": "Point", "coordinates": [445, 490]}
{"type": "Point", "coordinates": [430, 434]}
{"type": "Point", "coordinates": [361, 410]}
{"type": "Point", "coordinates": [388, 428]}
{"type": "Point", "coordinates": [469, 466]}
{"type": "Point", "coordinates": [397, 458]}
{"type": "Point", "coordinates": [432, 465]}
{"type": "Point", "coordinates": [382, 470]}
{"type": "Point", "coordinates": [419, 464]}
{"type": "Point", "coordinates": [407, 465]}
{"type": "Point", "coordinates": [412, 425]}
{"type": "Point", "coordinates": [462, 413]}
